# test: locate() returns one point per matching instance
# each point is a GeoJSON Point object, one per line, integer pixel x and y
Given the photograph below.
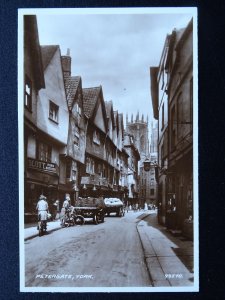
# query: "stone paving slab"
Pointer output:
{"type": "Point", "coordinates": [161, 253]}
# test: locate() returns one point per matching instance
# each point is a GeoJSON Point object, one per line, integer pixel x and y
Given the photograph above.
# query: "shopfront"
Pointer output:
{"type": "Point", "coordinates": [40, 178]}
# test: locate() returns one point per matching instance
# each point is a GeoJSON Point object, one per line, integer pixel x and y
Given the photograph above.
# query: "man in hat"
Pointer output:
{"type": "Point", "coordinates": [42, 208]}
{"type": "Point", "coordinates": [65, 208]}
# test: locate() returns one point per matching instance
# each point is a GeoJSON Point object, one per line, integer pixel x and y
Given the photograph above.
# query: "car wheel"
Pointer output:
{"type": "Point", "coordinates": [96, 219]}
{"type": "Point", "coordinates": [79, 220]}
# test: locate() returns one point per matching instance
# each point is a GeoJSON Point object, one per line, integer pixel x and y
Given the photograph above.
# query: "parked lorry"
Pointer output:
{"type": "Point", "coordinates": [91, 208]}
{"type": "Point", "coordinates": [114, 205]}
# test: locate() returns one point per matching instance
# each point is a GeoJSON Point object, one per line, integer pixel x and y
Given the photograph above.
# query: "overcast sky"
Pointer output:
{"type": "Point", "coordinates": [113, 50]}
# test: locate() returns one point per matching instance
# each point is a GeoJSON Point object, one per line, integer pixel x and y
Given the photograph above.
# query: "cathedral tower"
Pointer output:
{"type": "Point", "coordinates": [138, 127]}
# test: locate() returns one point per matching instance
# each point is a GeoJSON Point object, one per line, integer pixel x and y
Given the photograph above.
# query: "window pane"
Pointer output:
{"type": "Point", "coordinates": [53, 111]}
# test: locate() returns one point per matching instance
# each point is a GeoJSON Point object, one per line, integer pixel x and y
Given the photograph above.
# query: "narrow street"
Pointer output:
{"type": "Point", "coordinates": [105, 255]}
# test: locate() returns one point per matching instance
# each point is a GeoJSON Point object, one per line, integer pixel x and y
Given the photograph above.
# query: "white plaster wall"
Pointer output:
{"type": "Point", "coordinates": [55, 92]}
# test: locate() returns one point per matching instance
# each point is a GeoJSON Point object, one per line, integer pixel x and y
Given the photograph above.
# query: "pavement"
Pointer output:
{"type": "Point", "coordinates": [31, 231]}
{"type": "Point", "coordinates": [169, 259]}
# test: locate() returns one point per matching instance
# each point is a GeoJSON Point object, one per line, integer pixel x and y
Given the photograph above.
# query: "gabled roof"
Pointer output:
{"type": "Point", "coordinates": [109, 110]}
{"type": "Point", "coordinates": [184, 33]}
{"type": "Point", "coordinates": [174, 38]}
{"type": "Point", "coordinates": [116, 120]}
{"type": "Point", "coordinates": [108, 107]}
{"type": "Point", "coordinates": [90, 97]}
{"type": "Point", "coordinates": [71, 86]}
{"type": "Point", "coordinates": [120, 121]}
{"type": "Point", "coordinates": [31, 41]}
{"type": "Point", "coordinates": [129, 143]}
{"type": "Point", "coordinates": [47, 53]}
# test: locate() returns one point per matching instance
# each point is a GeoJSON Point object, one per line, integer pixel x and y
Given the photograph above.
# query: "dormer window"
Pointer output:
{"type": "Point", "coordinates": [53, 111]}
{"type": "Point", "coordinates": [96, 137]}
{"type": "Point", "coordinates": [28, 94]}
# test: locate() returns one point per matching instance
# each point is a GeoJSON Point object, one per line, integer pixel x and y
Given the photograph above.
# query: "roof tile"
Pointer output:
{"type": "Point", "coordinates": [90, 97]}
{"type": "Point", "coordinates": [71, 86]}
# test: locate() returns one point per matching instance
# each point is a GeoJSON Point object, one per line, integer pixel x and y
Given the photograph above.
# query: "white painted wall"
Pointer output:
{"type": "Point", "coordinates": [55, 92]}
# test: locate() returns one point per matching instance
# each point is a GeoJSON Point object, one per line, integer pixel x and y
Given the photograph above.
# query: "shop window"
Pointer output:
{"type": "Point", "coordinates": [44, 152]}
{"type": "Point", "coordinates": [53, 111]}
{"type": "Point", "coordinates": [28, 93]}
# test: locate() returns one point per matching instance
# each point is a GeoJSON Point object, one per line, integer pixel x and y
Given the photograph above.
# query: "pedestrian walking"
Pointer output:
{"type": "Point", "coordinates": [146, 206]}
{"type": "Point", "coordinates": [42, 208]}
{"type": "Point", "coordinates": [65, 207]}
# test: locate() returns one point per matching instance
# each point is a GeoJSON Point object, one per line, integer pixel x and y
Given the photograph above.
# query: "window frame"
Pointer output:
{"type": "Point", "coordinates": [55, 113]}
{"type": "Point", "coordinates": [44, 153]}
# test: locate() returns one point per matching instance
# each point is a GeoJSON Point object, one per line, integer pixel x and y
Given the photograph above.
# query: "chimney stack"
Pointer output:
{"type": "Point", "coordinates": [66, 64]}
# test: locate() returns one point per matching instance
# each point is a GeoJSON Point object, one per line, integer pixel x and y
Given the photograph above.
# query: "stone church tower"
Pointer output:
{"type": "Point", "coordinates": [138, 127]}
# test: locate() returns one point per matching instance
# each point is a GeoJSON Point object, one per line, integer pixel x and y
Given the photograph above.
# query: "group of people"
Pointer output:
{"type": "Point", "coordinates": [43, 208]}
{"type": "Point", "coordinates": [138, 207]}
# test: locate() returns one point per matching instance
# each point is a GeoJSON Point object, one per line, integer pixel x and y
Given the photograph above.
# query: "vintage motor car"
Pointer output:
{"type": "Point", "coordinates": [114, 205]}
{"type": "Point", "coordinates": [90, 208]}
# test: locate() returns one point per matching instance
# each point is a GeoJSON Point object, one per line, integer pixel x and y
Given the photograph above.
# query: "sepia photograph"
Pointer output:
{"type": "Point", "coordinates": [108, 149]}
